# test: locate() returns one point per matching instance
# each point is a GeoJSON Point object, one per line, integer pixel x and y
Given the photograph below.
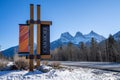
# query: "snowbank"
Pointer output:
{"type": "Point", "coordinates": [67, 73]}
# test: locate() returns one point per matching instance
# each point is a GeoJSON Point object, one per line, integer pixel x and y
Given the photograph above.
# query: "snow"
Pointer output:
{"type": "Point", "coordinates": [79, 37]}
{"type": "Point", "coordinates": [117, 36]}
{"type": "Point", "coordinates": [111, 66]}
{"type": "Point", "coordinates": [94, 35]}
{"type": "Point", "coordinates": [65, 73]}
{"type": "Point", "coordinates": [66, 37]}
{"type": "Point", "coordinates": [10, 63]}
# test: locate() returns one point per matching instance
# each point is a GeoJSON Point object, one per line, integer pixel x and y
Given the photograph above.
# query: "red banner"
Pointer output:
{"type": "Point", "coordinates": [23, 38]}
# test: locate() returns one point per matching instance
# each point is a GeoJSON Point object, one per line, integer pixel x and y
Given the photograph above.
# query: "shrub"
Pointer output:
{"type": "Point", "coordinates": [45, 62]}
{"type": "Point", "coordinates": [13, 67]}
{"type": "Point", "coordinates": [3, 64]}
{"type": "Point", "coordinates": [21, 63]}
{"type": "Point", "coordinates": [55, 65]}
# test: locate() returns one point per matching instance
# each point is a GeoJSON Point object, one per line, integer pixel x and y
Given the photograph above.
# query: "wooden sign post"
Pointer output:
{"type": "Point", "coordinates": [31, 56]}
{"type": "Point", "coordinates": [43, 38]}
{"type": "Point", "coordinates": [38, 36]}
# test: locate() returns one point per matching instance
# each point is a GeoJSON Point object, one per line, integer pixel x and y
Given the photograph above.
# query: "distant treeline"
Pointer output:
{"type": "Point", "coordinates": [105, 51]}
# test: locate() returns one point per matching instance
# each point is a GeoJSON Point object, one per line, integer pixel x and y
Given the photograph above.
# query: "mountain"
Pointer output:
{"type": "Point", "coordinates": [64, 39]}
{"type": "Point", "coordinates": [11, 51]}
{"type": "Point", "coordinates": [94, 35]}
{"type": "Point", "coordinates": [79, 37]}
{"type": "Point", "coordinates": [117, 36]}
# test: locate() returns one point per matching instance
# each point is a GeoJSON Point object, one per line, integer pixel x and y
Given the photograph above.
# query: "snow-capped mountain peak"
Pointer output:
{"type": "Point", "coordinates": [94, 35]}
{"type": "Point", "coordinates": [117, 36]}
{"type": "Point", "coordinates": [79, 37]}
{"type": "Point", "coordinates": [78, 34]}
{"type": "Point", "coordinates": [66, 37]}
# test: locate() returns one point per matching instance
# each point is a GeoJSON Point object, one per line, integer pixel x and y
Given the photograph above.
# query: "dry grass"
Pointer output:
{"type": "Point", "coordinates": [55, 65]}
{"type": "Point", "coordinates": [45, 63]}
{"type": "Point", "coordinates": [3, 64]}
{"type": "Point", "coordinates": [21, 63]}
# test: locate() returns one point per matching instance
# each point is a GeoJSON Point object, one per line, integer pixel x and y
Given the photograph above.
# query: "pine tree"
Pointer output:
{"type": "Point", "coordinates": [69, 50]}
{"type": "Point", "coordinates": [1, 55]}
{"type": "Point", "coordinates": [83, 53]}
{"type": "Point", "coordinates": [112, 49]}
{"type": "Point", "coordinates": [94, 50]}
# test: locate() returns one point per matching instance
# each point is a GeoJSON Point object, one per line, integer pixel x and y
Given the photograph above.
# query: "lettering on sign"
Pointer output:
{"type": "Point", "coordinates": [45, 40]}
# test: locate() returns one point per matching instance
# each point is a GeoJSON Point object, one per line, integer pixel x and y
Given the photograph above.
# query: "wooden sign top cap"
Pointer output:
{"type": "Point", "coordinates": [38, 5]}
{"type": "Point", "coordinates": [31, 4]}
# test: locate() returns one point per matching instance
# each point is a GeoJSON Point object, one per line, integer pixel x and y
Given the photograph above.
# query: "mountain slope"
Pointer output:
{"type": "Point", "coordinates": [66, 37]}
{"type": "Point", "coordinates": [10, 51]}
{"type": "Point", "coordinates": [96, 36]}
{"type": "Point", "coordinates": [117, 36]}
{"type": "Point", "coordinates": [79, 37]}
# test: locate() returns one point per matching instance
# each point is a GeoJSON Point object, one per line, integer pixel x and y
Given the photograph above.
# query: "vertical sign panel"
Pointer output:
{"type": "Point", "coordinates": [23, 38]}
{"type": "Point", "coordinates": [45, 40]}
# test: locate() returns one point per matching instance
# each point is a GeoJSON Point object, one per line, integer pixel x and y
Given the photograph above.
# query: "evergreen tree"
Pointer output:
{"type": "Point", "coordinates": [94, 50]}
{"type": "Point", "coordinates": [83, 53]}
{"type": "Point", "coordinates": [112, 49]}
{"type": "Point", "coordinates": [69, 51]}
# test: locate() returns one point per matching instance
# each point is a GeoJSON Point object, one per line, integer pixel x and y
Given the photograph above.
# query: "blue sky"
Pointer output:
{"type": "Point", "coordinates": [101, 16]}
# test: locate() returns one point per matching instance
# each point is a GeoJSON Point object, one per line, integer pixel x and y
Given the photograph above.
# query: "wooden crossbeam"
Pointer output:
{"type": "Point", "coordinates": [45, 56]}
{"type": "Point", "coordinates": [40, 22]}
{"type": "Point", "coordinates": [41, 57]}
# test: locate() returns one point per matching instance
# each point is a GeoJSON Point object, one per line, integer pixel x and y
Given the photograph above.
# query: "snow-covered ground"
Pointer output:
{"type": "Point", "coordinates": [65, 73]}
{"type": "Point", "coordinates": [111, 66]}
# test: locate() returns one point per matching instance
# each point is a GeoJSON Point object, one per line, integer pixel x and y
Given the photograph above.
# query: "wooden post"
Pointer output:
{"type": "Point", "coordinates": [31, 37]}
{"type": "Point", "coordinates": [38, 36]}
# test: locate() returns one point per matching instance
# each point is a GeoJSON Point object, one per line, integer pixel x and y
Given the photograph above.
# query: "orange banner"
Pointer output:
{"type": "Point", "coordinates": [23, 38]}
